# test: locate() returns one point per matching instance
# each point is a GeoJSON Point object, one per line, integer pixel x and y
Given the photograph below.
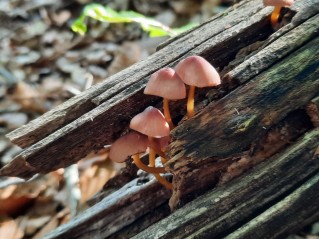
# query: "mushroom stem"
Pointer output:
{"type": "Point", "coordinates": [190, 101]}
{"type": "Point", "coordinates": [167, 114]}
{"type": "Point", "coordinates": [155, 147]}
{"type": "Point", "coordinates": [275, 16]}
{"type": "Point", "coordinates": [152, 156]}
{"type": "Point", "coordinates": [141, 165]}
{"type": "Point", "coordinates": [159, 178]}
{"type": "Point", "coordinates": [164, 182]}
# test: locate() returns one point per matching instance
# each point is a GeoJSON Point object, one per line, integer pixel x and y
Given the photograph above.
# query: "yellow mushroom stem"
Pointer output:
{"type": "Point", "coordinates": [190, 101]}
{"type": "Point", "coordinates": [159, 178]}
{"type": "Point", "coordinates": [141, 165]}
{"type": "Point", "coordinates": [152, 156]}
{"type": "Point", "coordinates": [275, 16]}
{"type": "Point", "coordinates": [167, 114]}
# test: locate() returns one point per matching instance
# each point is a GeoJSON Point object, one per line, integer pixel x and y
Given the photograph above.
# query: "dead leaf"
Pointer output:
{"type": "Point", "coordinates": [10, 229]}
{"type": "Point", "coordinates": [58, 219]}
{"type": "Point", "coordinates": [14, 205]}
{"type": "Point", "coordinates": [94, 177]}
{"type": "Point", "coordinates": [128, 54]}
{"type": "Point", "coordinates": [29, 98]}
{"type": "Point", "coordinates": [34, 224]}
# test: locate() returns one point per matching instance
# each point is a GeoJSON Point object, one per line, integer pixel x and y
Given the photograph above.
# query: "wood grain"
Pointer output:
{"type": "Point", "coordinates": [229, 207]}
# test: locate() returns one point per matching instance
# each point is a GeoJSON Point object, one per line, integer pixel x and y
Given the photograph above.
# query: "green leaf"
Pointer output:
{"type": "Point", "coordinates": [79, 27]}
{"type": "Point", "coordinates": [107, 14]}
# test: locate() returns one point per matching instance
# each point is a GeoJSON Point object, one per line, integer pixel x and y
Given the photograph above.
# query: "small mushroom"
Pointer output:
{"type": "Point", "coordinates": [152, 123]}
{"type": "Point", "coordinates": [195, 71]}
{"type": "Point", "coordinates": [127, 145]}
{"type": "Point", "coordinates": [278, 5]}
{"type": "Point", "coordinates": [131, 145]}
{"type": "Point", "coordinates": [167, 84]}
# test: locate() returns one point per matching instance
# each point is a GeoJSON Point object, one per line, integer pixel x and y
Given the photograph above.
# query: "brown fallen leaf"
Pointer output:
{"type": "Point", "coordinates": [14, 205]}
{"type": "Point", "coordinates": [128, 54]}
{"type": "Point", "coordinates": [15, 199]}
{"type": "Point", "coordinates": [93, 178]}
{"type": "Point", "coordinates": [29, 98]}
{"type": "Point", "coordinates": [60, 218]}
{"type": "Point", "coordinates": [10, 229]}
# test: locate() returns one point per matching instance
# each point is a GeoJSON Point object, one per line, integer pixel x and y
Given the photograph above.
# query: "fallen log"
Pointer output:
{"type": "Point", "coordinates": [236, 123]}
{"type": "Point", "coordinates": [285, 216]}
{"type": "Point", "coordinates": [104, 123]}
{"type": "Point", "coordinates": [260, 113]}
{"type": "Point", "coordinates": [229, 207]}
{"type": "Point", "coordinates": [116, 211]}
{"type": "Point", "coordinates": [216, 213]}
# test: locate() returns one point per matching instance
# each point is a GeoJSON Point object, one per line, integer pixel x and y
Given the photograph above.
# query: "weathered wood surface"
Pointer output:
{"type": "Point", "coordinates": [217, 40]}
{"type": "Point", "coordinates": [229, 207]}
{"type": "Point", "coordinates": [279, 45]}
{"type": "Point", "coordinates": [114, 212]}
{"type": "Point", "coordinates": [238, 121]}
{"type": "Point", "coordinates": [136, 206]}
{"type": "Point", "coordinates": [285, 217]}
{"type": "Point", "coordinates": [260, 104]}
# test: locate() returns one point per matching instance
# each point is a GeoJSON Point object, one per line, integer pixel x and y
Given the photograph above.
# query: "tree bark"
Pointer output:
{"type": "Point", "coordinates": [282, 179]}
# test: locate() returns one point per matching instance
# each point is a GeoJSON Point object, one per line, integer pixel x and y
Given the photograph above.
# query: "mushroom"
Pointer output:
{"type": "Point", "coordinates": [278, 5]}
{"type": "Point", "coordinates": [167, 84]}
{"type": "Point", "coordinates": [127, 145]}
{"type": "Point", "coordinates": [195, 71]}
{"type": "Point", "coordinates": [131, 145]}
{"type": "Point", "coordinates": [152, 123]}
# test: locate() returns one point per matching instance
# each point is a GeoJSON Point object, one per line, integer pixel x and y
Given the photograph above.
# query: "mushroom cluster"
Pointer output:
{"type": "Point", "coordinates": [278, 4]}
{"type": "Point", "coordinates": [151, 128]}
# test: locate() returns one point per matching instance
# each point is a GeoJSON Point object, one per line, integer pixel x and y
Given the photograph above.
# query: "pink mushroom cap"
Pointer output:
{"type": "Point", "coordinates": [128, 145]}
{"type": "Point", "coordinates": [196, 71]}
{"type": "Point", "coordinates": [279, 3]}
{"type": "Point", "coordinates": [161, 142]}
{"type": "Point", "coordinates": [167, 84]}
{"type": "Point", "coordinates": [150, 122]}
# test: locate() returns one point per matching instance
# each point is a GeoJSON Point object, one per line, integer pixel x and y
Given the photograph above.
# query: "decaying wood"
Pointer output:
{"type": "Point", "coordinates": [217, 40]}
{"type": "Point", "coordinates": [135, 206]}
{"type": "Point", "coordinates": [227, 208]}
{"type": "Point", "coordinates": [276, 48]}
{"type": "Point", "coordinates": [259, 104]}
{"type": "Point", "coordinates": [285, 217]}
{"type": "Point", "coordinates": [236, 122]}
{"type": "Point", "coordinates": [116, 211]}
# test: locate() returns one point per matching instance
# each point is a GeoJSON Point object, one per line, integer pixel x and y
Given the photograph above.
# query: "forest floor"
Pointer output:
{"type": "Point", "coordinates": [44, 63]}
